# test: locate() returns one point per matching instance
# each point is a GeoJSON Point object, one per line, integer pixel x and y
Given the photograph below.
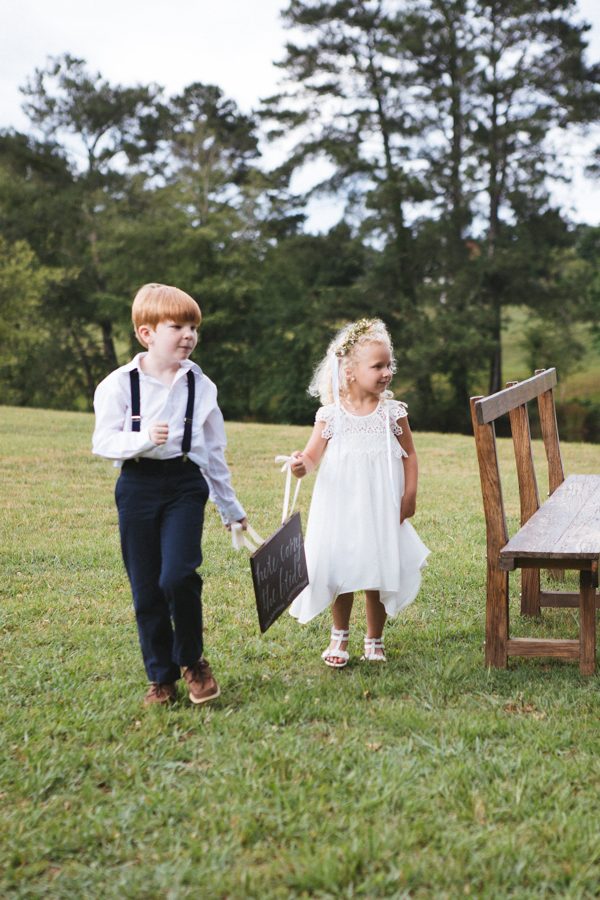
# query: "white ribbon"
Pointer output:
{"type": "Point", "coordinates": [334, 365]}
{"type": "Point", "coordinates": [249, 538]}
{"type": "Point", "coordinates": [388, 437]}
{"type": "Point", "coordinates": [287, 468]}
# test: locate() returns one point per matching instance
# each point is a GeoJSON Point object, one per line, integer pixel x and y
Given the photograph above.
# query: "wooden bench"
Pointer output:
{"type": "Point", "coordinates": [562, 533]}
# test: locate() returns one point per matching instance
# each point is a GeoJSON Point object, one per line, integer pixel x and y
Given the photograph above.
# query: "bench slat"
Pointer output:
{"type": "Point", "coordinates": [567, 525]}
{"type": "Point", "coordinates": [562, 599]}
{"type": "Point", "coordinates": [490, 408]}
{"type": "Point", "coordinates": [563, 649]}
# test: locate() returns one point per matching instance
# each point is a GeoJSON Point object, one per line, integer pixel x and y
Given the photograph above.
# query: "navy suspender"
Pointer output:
{"type": "Point", "coordinates": [189, 414]}
{"type": "Point", "coordinates": [134, 379]}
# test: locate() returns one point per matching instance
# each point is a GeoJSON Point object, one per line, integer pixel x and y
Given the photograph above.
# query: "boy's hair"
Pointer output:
{"type": "Point", "coordinates": [342, 351]}
{"type": "Point", "coordinates": [156, 303]}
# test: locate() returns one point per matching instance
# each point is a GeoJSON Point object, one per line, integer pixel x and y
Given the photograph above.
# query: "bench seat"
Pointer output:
{"type": "Point", "coordinates": [564, 533]}
{"type": "Point", "coordinates": [565, 530]}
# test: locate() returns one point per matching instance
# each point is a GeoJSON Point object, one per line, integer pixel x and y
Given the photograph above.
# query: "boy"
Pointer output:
{"type": "Point", "coordinates": [158, 418]}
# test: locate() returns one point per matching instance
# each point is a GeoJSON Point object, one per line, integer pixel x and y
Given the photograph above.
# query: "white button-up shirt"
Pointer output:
{"type": "Point", "coordinates": [114, 439]}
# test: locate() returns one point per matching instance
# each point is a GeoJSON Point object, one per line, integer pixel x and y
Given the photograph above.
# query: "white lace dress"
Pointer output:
{"type": "Point", "coordinates": [354, 540]}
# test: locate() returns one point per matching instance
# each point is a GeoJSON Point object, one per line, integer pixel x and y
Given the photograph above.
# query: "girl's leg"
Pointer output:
{"type": "Point", "coordinates": [341, 609]}
{"type": "Point", "coordinates": [376, 616]}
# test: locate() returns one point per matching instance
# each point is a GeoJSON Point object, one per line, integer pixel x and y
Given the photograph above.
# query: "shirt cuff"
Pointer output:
{"type": "Point", "coordinates": [233, 512]}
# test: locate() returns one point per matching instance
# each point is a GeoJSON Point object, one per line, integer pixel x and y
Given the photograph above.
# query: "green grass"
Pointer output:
{"type": "Point", "coordinates": [428, 777]}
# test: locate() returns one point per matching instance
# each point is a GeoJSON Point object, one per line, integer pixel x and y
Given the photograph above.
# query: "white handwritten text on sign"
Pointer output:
{"type": "Point", "coordinates": [279, 571]}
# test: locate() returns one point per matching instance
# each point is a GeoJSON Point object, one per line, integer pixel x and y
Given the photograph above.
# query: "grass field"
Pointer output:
{"type": "Point", "coordinates": [427, 777]}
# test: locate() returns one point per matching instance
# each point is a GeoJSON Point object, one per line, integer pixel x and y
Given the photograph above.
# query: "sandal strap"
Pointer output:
{"type": "Point", "coordinates": [372, 645]}
{"type": "Point", "coordinates": [338, 634]}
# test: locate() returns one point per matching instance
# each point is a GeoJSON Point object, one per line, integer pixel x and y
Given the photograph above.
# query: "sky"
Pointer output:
{"type": "Point", "coordinates": [231, 43]}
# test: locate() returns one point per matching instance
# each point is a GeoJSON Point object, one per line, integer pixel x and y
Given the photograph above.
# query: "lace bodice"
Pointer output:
{"type": "Point", "coordinates": [364, 433]}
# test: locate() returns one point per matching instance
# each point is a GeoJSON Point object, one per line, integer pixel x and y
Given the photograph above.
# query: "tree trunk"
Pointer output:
{"type": "Point", "coordinates": [90, 381]}
{"type": "Point", "coordinates": [402, 238]}
{"type": "Point", "coordinates": [495, 197]}
{"type": "Point", "coordinates": [108, 344]}
{"type": "Point", "coordinates": [496, 358]}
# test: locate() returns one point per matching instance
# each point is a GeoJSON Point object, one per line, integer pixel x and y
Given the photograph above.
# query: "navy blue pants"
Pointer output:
{"type": "Point", "coordinates": [161, 514]}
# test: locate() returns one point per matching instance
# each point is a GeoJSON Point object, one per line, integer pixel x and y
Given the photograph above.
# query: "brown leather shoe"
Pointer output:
{"type": "Point", "coordinates": [160, 693]}
{"type": "Point", "coordinates": [200, 681]}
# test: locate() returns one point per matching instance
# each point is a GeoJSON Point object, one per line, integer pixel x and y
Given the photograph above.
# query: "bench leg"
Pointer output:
{"type": "Point", "coordinates": [496, 619]}
{"type": "Point", "coordinates": [587, 623]}
{"type": "Point", "coordinates": [530, 592]}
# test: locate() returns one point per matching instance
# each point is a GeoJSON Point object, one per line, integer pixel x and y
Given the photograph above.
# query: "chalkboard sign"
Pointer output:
{"type": "Point", "coordinates": [279, 571]}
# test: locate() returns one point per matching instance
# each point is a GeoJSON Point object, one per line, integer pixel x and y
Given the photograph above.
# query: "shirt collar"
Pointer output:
{"type": "Point", "coordinates": [185, 364]}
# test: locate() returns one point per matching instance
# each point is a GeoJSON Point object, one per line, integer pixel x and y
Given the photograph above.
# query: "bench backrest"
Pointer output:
{"type": "Point", "coordinates": [484, 411]}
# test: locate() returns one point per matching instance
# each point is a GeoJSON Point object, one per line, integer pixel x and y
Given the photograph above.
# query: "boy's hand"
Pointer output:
{"type": "Point", "coordinates": [298, 465]}
{"type": "Point", "coordinates": [408, 508]}
{"type": "Point", "coordinates": [159, 433]}
{"type": "Point", "coordinates": [243, 522]}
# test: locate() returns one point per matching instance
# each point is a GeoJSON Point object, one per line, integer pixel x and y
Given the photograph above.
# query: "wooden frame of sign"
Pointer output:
{"type": "Point", "coordinates": [279, 571]}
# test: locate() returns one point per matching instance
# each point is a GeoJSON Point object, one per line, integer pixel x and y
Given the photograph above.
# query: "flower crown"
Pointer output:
{"type": "Point", "coordinates": [355, 331]}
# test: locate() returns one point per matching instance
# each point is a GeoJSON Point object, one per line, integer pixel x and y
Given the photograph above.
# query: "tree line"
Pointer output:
{"type": "Point", "coordinates": [438, 121]}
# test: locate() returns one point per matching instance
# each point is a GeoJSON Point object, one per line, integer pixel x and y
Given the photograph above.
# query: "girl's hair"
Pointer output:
{"type": "Point", "coordinates": [156, 303]}
{"type": "Point", "coordinates": [343, 350]}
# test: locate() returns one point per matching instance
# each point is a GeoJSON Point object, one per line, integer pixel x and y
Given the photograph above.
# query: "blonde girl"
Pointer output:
{"type": "Point", "coordinates": [358, 535]}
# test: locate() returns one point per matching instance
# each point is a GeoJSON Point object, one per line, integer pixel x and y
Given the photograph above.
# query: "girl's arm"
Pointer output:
{"type": "Point", "coordinates": [408, 505]}
{"type": "Point", "coordinates": [310, 457]}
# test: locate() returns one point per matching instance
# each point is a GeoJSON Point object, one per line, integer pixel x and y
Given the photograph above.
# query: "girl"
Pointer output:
{"type": "Point", "coordinates": [358, 536]}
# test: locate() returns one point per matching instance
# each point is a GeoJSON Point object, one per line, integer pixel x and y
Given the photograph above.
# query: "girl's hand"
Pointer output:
{"type": "Point", "coordinates": [243, 522]}
{"type": "Point", "coordinates": [299, 468]}
{"type": "Point", "coordinates": [408, 507]}
{"type": "Point", "coordinates": [159, 433]}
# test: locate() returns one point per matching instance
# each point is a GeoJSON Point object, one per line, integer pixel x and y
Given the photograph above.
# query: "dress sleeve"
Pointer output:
{"type": "Point", "coordinates": [397, 410]}
{"type": "Point", "coordinates": [326, 414]}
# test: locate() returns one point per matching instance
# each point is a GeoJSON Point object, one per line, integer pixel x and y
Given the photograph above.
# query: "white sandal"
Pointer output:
{"type": "Point", "coordinates": [338, 635]}
{"type": "Point", "coordinates": [374, 650]}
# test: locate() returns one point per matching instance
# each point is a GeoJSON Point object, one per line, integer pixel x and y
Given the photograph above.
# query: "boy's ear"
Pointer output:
{"type": "Point", "coordinates": [144, 333]}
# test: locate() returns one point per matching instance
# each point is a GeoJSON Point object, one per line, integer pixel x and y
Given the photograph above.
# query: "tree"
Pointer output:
{"type": "Point", "coordinates": [460, 97]}
{"type": "Point", "coordinates": [212, 149]}
{"type": "Point", "coordinates": [350, 99]}
{"type": "Point", "coordinates": [306, 292]}
{"type": "Point", "coordinates": [23, 327]}
{"type": "Point", "coordinates": [39, 204]}
{"type": "Point", "coordinates": [107, 126]}
{"type": "Point", "coordinates": [532, 79]}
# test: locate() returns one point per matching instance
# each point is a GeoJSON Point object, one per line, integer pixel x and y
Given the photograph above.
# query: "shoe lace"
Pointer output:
{"type": "Point", "coordinates": [158, 690]}
{"type": "Point", "coordinates": [200, 671]}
